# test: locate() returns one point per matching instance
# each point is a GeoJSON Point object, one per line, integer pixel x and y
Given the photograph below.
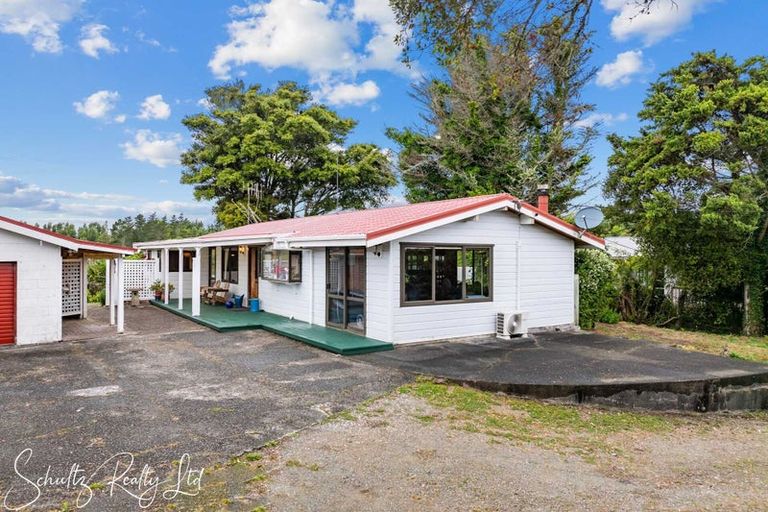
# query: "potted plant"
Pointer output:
{"type": "Point", "coordinates": [158, 287]}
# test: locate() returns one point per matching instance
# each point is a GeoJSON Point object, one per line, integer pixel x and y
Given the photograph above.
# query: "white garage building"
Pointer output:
{"type": "Point", "coordinates": [419, 272]}
{"type": "Point", "coordinates": [43, 278]}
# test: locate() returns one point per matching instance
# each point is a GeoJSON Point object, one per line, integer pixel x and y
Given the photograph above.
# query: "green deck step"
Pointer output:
{"type": "Point", "coordinates": [222, 319]}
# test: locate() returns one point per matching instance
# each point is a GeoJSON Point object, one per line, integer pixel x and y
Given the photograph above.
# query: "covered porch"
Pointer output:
{"type": "Point", "coordinates": [222, 319]}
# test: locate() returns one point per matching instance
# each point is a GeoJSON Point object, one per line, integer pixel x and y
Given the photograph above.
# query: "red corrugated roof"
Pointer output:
{"type": "Point", "coordinates": [375, 222]}
{"type": "Point", "coordinates": [64, 237]}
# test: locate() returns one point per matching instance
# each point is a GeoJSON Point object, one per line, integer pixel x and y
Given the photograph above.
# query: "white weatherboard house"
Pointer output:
{"type": "Point", "coordinates": [427, 271]}
{"type": "Point", "coordinates": [43, 278]}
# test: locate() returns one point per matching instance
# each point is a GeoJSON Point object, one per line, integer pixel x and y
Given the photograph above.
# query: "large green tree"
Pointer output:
{"type": "Point", "coordinates": [693, 184]}
{"type": "Point", "coordinates": [503, 115]}
{"type": "Point", "coordinates": [263, 155]}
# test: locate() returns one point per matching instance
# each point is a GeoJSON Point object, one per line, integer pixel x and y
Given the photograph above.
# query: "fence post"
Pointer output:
{"type": "Point", "coordinates": [576, 299]}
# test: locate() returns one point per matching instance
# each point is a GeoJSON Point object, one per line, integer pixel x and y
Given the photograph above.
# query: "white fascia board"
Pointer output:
{"type": "Point", "coordinates": [162, 244]}
{"type": "Point", "coordinates": [396, 235]}
{"type": "Point", "coordinates": [107, 250]}
{"type": "Point", "coordinates": [335, 242]}
{"type": "Point", "coordinates": [326, 241]}
{"type": "Point", "coordinates": [43, 237]}
{"type": "Point", "coordinates": [565, 230]}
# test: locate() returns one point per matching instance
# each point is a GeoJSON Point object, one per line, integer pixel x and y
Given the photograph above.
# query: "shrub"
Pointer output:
{"type": "Point", "coordinates": [98, 296]}
{"type": "Point", "coordinates": [597, 287]}
{"type": "Point", "coordinates": [641, 282]}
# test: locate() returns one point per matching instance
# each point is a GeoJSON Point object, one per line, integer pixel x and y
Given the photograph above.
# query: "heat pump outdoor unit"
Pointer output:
{"type": "Point", "coordinates": [509, 325]}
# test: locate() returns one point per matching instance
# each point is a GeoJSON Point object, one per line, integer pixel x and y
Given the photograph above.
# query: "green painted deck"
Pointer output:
{"type": "Point", "coordinates": [222, 319]}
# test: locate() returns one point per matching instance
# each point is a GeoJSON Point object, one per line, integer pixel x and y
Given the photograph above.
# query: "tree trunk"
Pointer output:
{"type": "Point", "coordinates": [752, 324]}
{"type": "Point", "coordinates": [680, 309]}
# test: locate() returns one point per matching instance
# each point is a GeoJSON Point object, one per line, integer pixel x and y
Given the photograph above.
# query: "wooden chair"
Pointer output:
{"type": "Point", "coordinates": [220, 296]}
{"type": "Point", "coordinates": [205, 291]}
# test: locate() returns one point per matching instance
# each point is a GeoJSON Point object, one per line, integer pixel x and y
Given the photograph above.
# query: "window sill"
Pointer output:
{"type": "Point", "coordinates": [404, 304]}
{"type": "Point", "coordinates": [279, 281]}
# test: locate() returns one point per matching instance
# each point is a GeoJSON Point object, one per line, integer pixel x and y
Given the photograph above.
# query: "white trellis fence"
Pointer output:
{"type": "Point", "coordinates": [140, 274]}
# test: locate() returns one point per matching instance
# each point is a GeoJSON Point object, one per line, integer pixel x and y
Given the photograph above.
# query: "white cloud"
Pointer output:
{"type": "Point", "coordinates": [622, 70]}
{"type": "Point", "coordinates": [120, 118]}
{"type": "Point", "coordinates": [349, 93]}
{"type": "Point", "coordinates": [296, 33]}
{"type": "Point", "coordinates": [93, 41]}
{"type": "Point", "coordinates": [154, 148]}
{"type": "Point", "coordinates": [596, 118]}
{"type": "Point", "coordinates": [38, 21]}
{"type": "Point", "coordinates": [205, 103]}
{"type": "Point", "coordinates": [24, 200]}
{"type": "Point", "coordinates": [16, 193]}
{"type": "Point", "coordinates": [381, 50]}
{"type": "Point", "coordinates": [154, 107]}
{"type": "Point", "coordinates": [664, 18]}
{"type": "Point", "coordinates": [98, 105]}
{"type": "Point", "coordinates": [151, 41]}
{"type": "Point", "coordinates": [333, 43]}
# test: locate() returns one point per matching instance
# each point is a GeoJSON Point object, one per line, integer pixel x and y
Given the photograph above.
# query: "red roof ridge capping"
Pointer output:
{"type": "Point", "coordinates": [64, 237]}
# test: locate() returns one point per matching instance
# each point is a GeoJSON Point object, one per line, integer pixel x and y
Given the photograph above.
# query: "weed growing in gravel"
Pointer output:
{"type": "Point", "coordinates": [293, 463]}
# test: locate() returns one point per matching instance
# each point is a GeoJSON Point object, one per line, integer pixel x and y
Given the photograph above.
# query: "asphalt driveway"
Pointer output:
{"type": "Point", "coordinates": [169, 388]}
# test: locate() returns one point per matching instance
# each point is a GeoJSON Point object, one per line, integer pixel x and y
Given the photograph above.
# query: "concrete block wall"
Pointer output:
{"type": "Point", "coordinates": [38, 287]}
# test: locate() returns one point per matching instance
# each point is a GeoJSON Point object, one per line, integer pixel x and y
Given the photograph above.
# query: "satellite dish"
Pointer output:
{"type": "Point", "coordinates": [589, 218]}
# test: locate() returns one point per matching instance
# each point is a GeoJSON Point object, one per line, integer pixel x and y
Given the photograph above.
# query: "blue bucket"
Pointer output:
{"type": "Point", "coordinates": [238, 301]}
{"type": "Point", "coordinates": [254, 305]}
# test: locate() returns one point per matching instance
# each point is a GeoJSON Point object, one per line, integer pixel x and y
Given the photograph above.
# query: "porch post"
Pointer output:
{"type": "Point", "coordinates": [107, 282]}
{"type": "Point", "coordinates": [84, 289]}
{"type": "Point", "coordinates": [196, 283]}
{"type": "Point", "coordinates": [181, 278]}
{"type": "Point", "coordinates": [120, 295]}
{"type": "Point", "coordinates": [166, 263]}
{"type": "Point", "coordinates": [111, 291]}
{"type": "Point", "coordinates": [219, 264]}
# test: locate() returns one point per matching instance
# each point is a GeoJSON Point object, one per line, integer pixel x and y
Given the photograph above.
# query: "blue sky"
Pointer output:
{"type": "Point", "coordinates": [93, 92]}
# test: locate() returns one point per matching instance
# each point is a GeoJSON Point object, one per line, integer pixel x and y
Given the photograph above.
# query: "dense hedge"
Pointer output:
{"type": "Point", "coordinates": [598, 288]}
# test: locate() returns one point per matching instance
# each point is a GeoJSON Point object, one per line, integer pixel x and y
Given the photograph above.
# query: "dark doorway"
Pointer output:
{"type": "Point", "coordinates": [345, 288]}
{"type": "Point", "coordinates": [253, 272]}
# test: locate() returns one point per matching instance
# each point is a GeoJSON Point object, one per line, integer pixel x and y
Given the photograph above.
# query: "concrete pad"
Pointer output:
{"type": "Point", "coordinates": [585, 367]}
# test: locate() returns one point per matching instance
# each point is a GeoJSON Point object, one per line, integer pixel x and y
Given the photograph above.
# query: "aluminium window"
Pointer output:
{"type": "Point", "coordinates": [432, 274]}
{"type": "Point", "coordinates": [281, 265]}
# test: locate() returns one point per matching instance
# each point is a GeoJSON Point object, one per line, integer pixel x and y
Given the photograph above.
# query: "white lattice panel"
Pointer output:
{"type": "Point", "coordinates": [71, 287]}
{"type": "Point", "coordinates": [140, 274]}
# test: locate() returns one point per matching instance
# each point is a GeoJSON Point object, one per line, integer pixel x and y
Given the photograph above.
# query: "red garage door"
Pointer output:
{"type": "Point", "coordinates": [7, 303]}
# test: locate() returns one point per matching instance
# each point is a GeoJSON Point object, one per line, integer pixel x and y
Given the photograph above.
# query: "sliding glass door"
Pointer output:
{"type": "Point", "coordinates": [345, 288]}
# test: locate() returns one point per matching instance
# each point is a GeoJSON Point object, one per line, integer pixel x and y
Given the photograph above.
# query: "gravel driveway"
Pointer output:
{"type": "Point", "coordinates": [159, 396]}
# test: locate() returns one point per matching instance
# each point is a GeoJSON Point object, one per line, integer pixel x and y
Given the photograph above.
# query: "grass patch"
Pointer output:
{"type": "Point", "coordinates": [258, 477]}
{"type": "Point", "coordinates": [747, 348]}
{"type": "Point", "coordinates": [293, 463]}
{"type": "Point", "coordinates": [456, 397]}
{"type": "Point", "coordinates": [567, 429]}
{"type": "Point", "coordinates": [425, 418]}
{"type": "Point", "coordinates": [253, 456]}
